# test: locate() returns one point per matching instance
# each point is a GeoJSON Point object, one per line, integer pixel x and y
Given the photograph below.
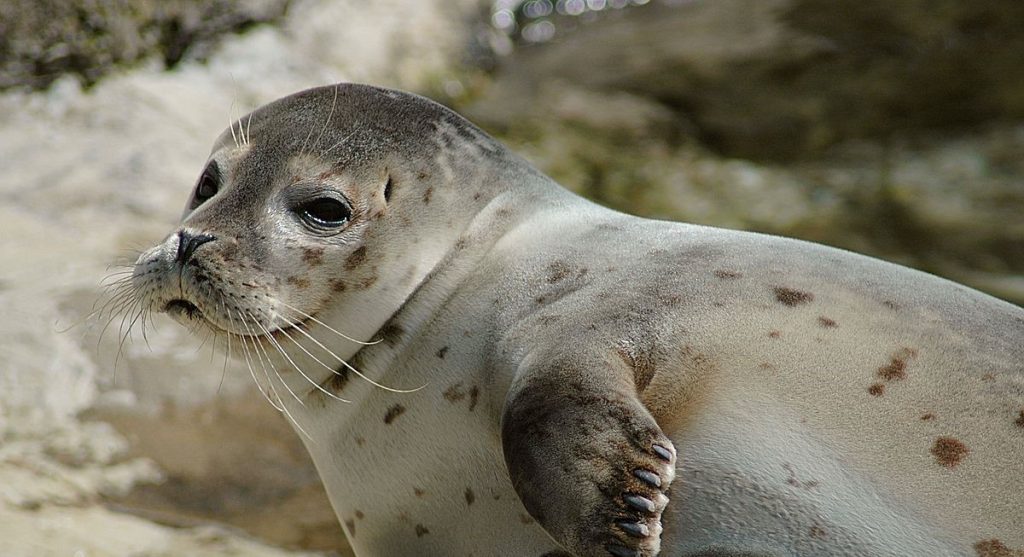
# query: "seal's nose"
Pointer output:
{"type": "Point", "coordinates": [187, 244]}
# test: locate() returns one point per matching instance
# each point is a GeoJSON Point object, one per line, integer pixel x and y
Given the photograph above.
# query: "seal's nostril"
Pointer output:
{"type": "Point", "coordinates": [187, 244]}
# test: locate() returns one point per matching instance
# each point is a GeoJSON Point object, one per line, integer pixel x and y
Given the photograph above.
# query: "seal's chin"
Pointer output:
{"type": "Point", "coordinates": [182, 309]}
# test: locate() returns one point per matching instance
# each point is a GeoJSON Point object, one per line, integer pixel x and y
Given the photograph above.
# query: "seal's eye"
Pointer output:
{"type": "Point", "coordinates": [325, 212]}
{"type": "Point", "coordinates": [208, 185]}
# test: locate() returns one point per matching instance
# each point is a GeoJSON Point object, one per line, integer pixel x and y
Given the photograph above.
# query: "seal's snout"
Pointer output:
{"type": "Point", "coordinates": [188, 243]}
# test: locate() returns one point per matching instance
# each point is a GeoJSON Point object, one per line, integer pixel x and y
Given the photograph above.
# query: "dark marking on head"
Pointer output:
{"type": "Point", "coordinates": [426, 195]}
{"type": "Point", "coordinates": [995, 548]}
{"type": "Point", "coordinates": [391, 332]}
{"type": "Point", "coordinates": [476, 196]}
{"type": "Point", "coordinates": [927, 417]}
{"type": "Point", "coordinates": [338, 285]}
{"type": "Point", "coordinates": [360, 441]}
{"type": "Point", "coordinates": [337, 381]}
{"type": "Point", "coordinates": [474, 394]}
{"type": "Point", "coordinates": [1020, 419]}
{"type": "Point", "coordinates": [393, 413]}
{"type": "Point", "coordinates": [540, 299]}
{"type": "Point", "coordinates": [896, 369]}
{"type": "Point", "coordinates": [774, 334]}
{"type": "Point", "coordinates": [461, 244]}
{"type": "Point", "coordinates": [418, 492]}
{"type": "Point", "coordinates": [313, 256]}
{"type": "Point", "coordinates": [359, 514]}
{"type": "Point", "coordinates": [891, 305]}
{"type": "Point", "coordinates": [525, 518]}
{"type": "Point", "coordinates": [558, 271]}
{"type": "Point", "coordinates": [454, 393]}
{"type": "Point", "coordinates": [298, 282]}
{"type": "Point", "coordinates": [791, 297]}
{"type": "Point", "coordinates": [878, 389]}
{"type": "Point", "coordinates": [350, 524]}
{"type": "Point", "coordinates": [725, 274]}
{"type": "Point", "coordinates": [441, 353]}
{"type": "Point", "coordinates": [421, 530]}
{"type": "Point", "coordinates": [817, 532]}
{"type": "Point", "coordinates": [355, 259]}
{"type": "Point", "coordinates": [949, 451]}
{"type": "Point", "coordinates": [470, 497]}
{"type": "Point", "coordinates": [422, 175]}
{"type": "Point", "coordinates": [827, 323]}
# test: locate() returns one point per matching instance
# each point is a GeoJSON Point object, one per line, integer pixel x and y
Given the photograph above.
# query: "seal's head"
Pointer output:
{"type": "Point", "coordinates": [338, 199]}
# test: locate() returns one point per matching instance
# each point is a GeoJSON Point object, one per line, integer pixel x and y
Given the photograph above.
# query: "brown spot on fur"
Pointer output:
{"type": "Point", "coordinates": [927, 417]}
{"type": "Point", "coordinates": [995, 548]}
{"type": "Point", "coordinates": [422, 175]}
{"type": "Point", "coordinates": [558, 271]}
{"type": "Point", "coordinates": [393, 413]}
{"type": "Point", "coordinates": [360, 441]}
{"type": "Point", "coordinates": [725, 274]}
{"type": "Point", "coordinates": [461, 244]}
{"type": "Point", "coordinates": [355, 259]}
{"type": "Point", "coordinates": [1020, 419]}
{"type": "Point", "coordinates": [896, 369]}
{"type": "Point", "coordinates": [359, 514]}
{"type": "Point", "coordinates": [476, 196]}
{"type": "Point", "coordinates": [988, 377]}
{"type": "Point", "coordinates": [313, 256]}
{"type": "Point", "coordinates": [426, 195]}
{"type": "Point", "coordinates": [351, 525]}
{"type": "Point", "coordinates": [774, 334]}
{"type": "Point", "coordinates": [298, 282]}
{"type": "Point", "coordinates": [366, 282]}
{"type": "Point", "coordinates": [337, 381]}
{"type": "Point", "coordinates": [949, 451]}
{"type": "Point", "coordinates": [470, 497]}
{"type": "Point", "coordinates": [454, 393]}
{"type": "Point", "coordinates": [818, 532]}
{"type": "Point", "coordinates": [440, 353]}
{"type": "Point", "coordinates": [827, 322]}
{"type": "Point", "coordinates": [474, 394]}
{"type": "Point", "coordinates": [878, 389]}
{"type": "Point", "coordinates": [766, 366]}
{"type": "Point", "coordinates": [418, 492]}
{"type": "Point", "coordinates": [421, 530]}
{"type": "Point", "coordinates": [338, 285]}
{"type": "Point", "coordinates": [525, 518]}
{"type": "Point", "coordinates": [793, 481]}
{"type": "Point", "coordinates": [891, 305]}
{"type": "Point", "coordinates": [791, 297]}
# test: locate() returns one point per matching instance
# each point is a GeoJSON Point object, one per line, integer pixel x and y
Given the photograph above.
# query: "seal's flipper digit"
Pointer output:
{"type": "Point", "coordinates": [593, 467]}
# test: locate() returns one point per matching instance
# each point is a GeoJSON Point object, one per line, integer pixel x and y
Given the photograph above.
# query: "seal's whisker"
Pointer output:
{"type": "Point", "coordinates": [248, 363]}
{"type": "Point", "coordinates": [248, 127]}
{"type": "Point", "coordinates": [330, 115]}
{"type": "Point", "coordinates": [326, 326]}
{"type": "Point", "coordinates": [269, 362]}
{"type": "Point", "coordinates": [231, 125]}
{"type": "Point", "coordinates": [317, 360]}
{"type": "Point", "coordinates": [338, 143]}
{"type": "Point", "coordinates": [268, 335]}
{"type": "Point", "coordinates": [342, 361]}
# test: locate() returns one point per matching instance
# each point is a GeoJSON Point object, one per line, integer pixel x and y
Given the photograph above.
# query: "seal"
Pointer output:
{"type": "Point", "coordinates": [482, 363]}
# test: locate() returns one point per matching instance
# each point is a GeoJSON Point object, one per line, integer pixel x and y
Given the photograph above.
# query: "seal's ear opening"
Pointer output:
{"type": "Point", "coordinates": [387, 190]}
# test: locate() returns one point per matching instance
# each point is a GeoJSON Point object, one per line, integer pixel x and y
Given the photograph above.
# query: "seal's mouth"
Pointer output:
{"type": "Point", "coordinates": [183, 308]}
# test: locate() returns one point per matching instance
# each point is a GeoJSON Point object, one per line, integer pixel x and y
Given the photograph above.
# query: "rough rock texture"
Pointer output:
{"type": "Point", "coordinates": [41, 40]}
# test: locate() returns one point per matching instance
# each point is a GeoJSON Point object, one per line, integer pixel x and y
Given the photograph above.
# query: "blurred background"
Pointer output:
{"type": "Point", "coordinates": [894, 129]}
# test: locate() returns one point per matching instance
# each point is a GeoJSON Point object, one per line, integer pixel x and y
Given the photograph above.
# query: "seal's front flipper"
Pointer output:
{"type": "Point", "coordinates": [588, 460]}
